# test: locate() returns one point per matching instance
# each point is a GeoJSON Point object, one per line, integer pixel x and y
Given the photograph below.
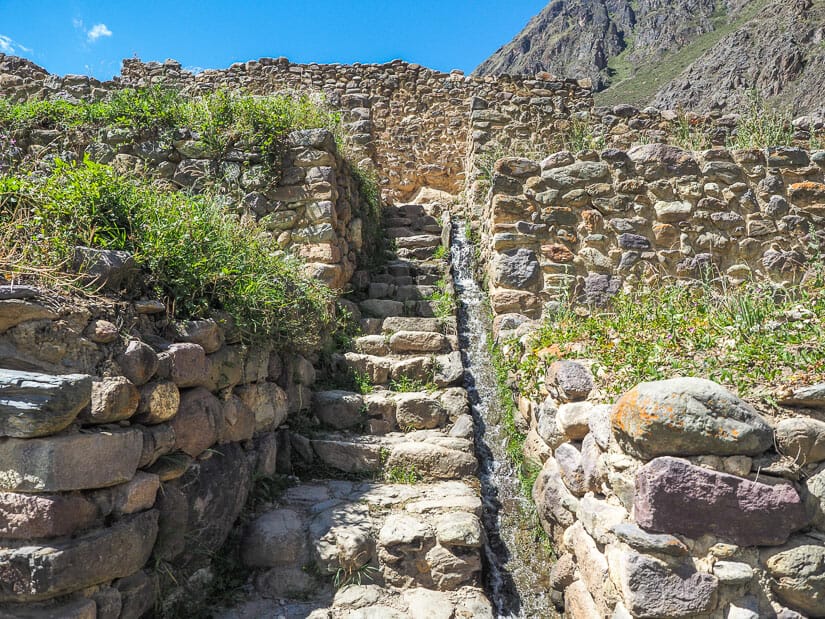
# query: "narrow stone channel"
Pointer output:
{"type": "Point", "coordinates": [515, 569]}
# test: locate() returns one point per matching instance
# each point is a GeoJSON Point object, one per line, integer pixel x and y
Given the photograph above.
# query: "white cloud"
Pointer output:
{"type": "Point", "coordinates": [97, 31]}
{"type": "Point", "coordinates": [10, 46]}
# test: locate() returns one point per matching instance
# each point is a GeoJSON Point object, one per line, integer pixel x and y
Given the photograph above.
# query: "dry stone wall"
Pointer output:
{"type": "Point", "coordinates": [587, 225]}
{"type": "Point", "coordinates": [129, 442]}
{"type": "Point", "coordinates": [676, 500]}
{"type": "Point", "coordinates": [311, 203]}
{"type": "Point", "coordinates": [416, 126]}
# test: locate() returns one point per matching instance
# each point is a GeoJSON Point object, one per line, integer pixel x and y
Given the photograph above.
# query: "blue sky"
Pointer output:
{"type": "Point", "coordinates": [82, 36]}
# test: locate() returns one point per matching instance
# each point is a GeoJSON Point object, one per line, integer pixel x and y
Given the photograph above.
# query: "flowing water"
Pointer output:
{"type": "Point", "coordinates": [516, 567]}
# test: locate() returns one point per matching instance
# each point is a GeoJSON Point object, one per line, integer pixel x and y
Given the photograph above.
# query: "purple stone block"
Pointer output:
{"type": "Point", "coordinates": [674, 496]}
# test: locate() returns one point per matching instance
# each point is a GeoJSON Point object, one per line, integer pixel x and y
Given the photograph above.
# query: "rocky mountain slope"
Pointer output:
{"type": "Point", "coordinates": [698, 54]}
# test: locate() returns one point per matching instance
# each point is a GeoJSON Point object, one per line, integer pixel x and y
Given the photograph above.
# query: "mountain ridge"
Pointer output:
{"type": "Point", "coordinates": [693, 54]}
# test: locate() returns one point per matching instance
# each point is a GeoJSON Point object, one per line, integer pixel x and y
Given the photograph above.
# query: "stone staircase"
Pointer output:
{"type": "Point", "coordinates": [387, 521]}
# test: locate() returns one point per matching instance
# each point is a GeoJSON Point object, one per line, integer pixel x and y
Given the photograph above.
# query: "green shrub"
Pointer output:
{"type": "Point", "coordinates": [761, 126]}
{"type": "Point", "coordinates": [194, 253]}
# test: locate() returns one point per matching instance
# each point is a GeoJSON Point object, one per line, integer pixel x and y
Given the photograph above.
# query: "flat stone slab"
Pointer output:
{"type": "Point", "coordinates": [33, 404]}
{"type": "Point", "coordinates": [69, 462]}
{"type": "Point", "coordinates": [641, 540]}
{"type": "Point", "coordinates": [34, 573]}
{"type": "Point", "coordinates": [15, 311]}
{"type": "Point", "coordinates": [674, 496]}
{"type": "Point", "coordinates": [687, 417]}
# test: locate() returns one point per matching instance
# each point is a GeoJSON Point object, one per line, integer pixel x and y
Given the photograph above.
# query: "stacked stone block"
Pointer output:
{"type": "Point", "coordinates": [677, 500]}
{"type": "Point", "coordinates": [140, 451]}
{"type": "Point", "coordinates": [587, 225]}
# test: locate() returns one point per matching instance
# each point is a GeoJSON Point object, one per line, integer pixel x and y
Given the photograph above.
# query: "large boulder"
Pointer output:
{"type": "Point", "coordinates": [210, 496]}
{"type": "Point", "coordinates": [675, 496]}
{"type": "Point", "coordinates": [686, 417]}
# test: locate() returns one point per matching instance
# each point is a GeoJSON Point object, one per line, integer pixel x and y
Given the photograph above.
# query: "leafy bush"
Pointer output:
{"type": "Point", "coordinates": [194, 254]}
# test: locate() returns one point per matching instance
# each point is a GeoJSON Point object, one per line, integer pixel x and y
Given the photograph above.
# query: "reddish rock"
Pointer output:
{"type": "Point", "coordinates": [26, 516]}
{"type": "Point", "coordinates": [557, 253]}
{"type": "Point", "coordinates": [186, 365]}
{"type": "Point", "coordinates": [196, 424]}
{"type": "Point", "coordinates": [674, 496]}
{"type": "Point", "coordinates": [101, 332]}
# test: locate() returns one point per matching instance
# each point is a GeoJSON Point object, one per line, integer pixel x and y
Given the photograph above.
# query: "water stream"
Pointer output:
{"type": "Point", "coordinates": [515, 568]}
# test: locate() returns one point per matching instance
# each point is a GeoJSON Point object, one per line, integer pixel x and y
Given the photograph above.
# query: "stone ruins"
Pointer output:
{"type": "Point", "coordinates": [130, 443]}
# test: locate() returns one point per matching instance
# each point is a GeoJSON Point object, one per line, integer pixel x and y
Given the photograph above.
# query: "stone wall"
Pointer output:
{"type": "Point", "coordinates": [129, 443]}
{"type": "Point", "coordinates": [416, 126]}
{"type": "Point", "coordinates": [311, 204]}
{"type": "Point", "coordinates": [677, 500]}
{"type": "Point", "coordinates": [589, 224]}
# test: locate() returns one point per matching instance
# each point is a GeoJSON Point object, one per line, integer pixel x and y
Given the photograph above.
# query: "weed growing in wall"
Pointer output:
{"type": "Point", "coordinates": [191, 252]}
{"type": "Point", "coordinates": [220, 120]}
{"type": "Point", "coordinates": [761, 126]}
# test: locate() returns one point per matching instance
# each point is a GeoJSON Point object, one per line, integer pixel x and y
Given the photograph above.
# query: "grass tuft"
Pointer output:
{"type": "Point", "coordinates": [751, 339]}
{"type": "Point", "coordinates": [191, 252]}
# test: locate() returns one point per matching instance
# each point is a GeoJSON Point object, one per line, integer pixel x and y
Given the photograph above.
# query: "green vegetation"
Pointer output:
{"type": "Point", "coordinates": [441, 253]}
{"type": "Point", "coordinates": [751, 339]}
{"type": "Point", "coordinates": [405, 384]}
{"type": "Point", "coordinates": [761, 127]}
{"type": "Point", "coordinates": [442, 299]}
{"type": "Point", "coordinates": [639, 87]}
{"type": "Point", "coordinates": [221, 120]}
{"type": "Point", "coordinates": [403, 475]}
{"type": "Point", "coordinates": [356, 576]}
{"type": "Point", "coordinates": [580, 136]}
{"type": "Point", "coordinates": [690, 135]}
{"type": "Point", "coordinates": [192, 253]}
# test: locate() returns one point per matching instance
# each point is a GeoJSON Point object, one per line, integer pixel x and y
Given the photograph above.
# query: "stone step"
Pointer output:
{"type": "Point", "coordinates": [388, 326]}
{"type": "Point", "coordinates": [422, 541]}
{"type": "Point", "coordinates": [425, 454]}
{"type": "Point", "coordinates": [435, 325]}
{"type": "Point", "coordinates": [419, 279]}
{"type": "Point", "coordinates": [442, 370]}
{"type": "Point", "coordinates": [383, 411]}
{"type": "Point", "coordinates": [418, 241]}
{"type": "Point", "coordinates": [410, 292]}
{"type": "Point", "coordinates": [398, 268]}
{"type": "Point", "coordinates": [389, 308]}
{"type": "Point", "coordinates": [418, 253]}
